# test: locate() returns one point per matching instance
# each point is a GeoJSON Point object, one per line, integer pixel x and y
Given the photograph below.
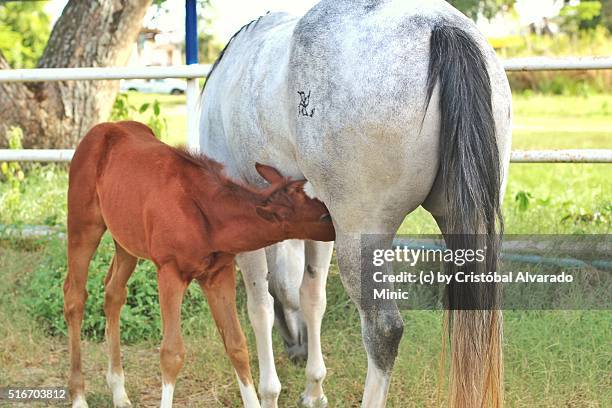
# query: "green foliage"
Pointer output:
{"type": "Point", "coordinates": [522, 199]}
{"type": "Point", "coordinates": [472, 8]}
{"type": "Point", "coordinates": [582, 16]}
{"type": "Point", "coordinates": [595, 42]}
{"type": "Point", "coordinates": [121, 108]}
{"type": "Point", "coordinates": [12, 173]}
{"type": "Point", "coordinates": [569, 213]}
{"type": "Point", "coordinates": [24, 31]}
{"type": "Point", "coordinates": [209, 47]}
{"type": "Point", "coordinates": [582, 217]}
{"type": "Point", "coordinates": [208, 44]}
{"type": "Point", "coordinates": [41, 198]}
{"type": "Point", "coordinates": [606, 14]}
{"type": "Point", "coordinates": [124, 110]}
{"type": "Point", "coordinates": [140, 317]}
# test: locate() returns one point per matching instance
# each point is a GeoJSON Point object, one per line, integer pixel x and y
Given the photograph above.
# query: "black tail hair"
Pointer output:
{"type": "Point", "coordinates": [469, 157]}
{"type": "Point", "coordinates": [470, 170]}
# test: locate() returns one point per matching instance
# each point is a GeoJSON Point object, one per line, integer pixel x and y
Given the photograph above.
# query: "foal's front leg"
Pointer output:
{"type": "Point", "coordinates": [221, 295]}
{"type": "Point", "coordinates": [172, 352]}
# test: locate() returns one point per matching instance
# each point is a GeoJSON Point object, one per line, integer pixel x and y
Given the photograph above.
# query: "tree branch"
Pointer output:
{"type": "Point", "coordinates": [3, 62]}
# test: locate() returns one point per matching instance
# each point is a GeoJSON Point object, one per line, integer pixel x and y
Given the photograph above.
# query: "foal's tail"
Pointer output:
{"type": "Point", "coordinates": [470, 169]}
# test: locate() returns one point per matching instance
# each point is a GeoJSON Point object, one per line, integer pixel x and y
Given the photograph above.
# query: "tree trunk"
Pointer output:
{"type": "Point", "coordinates": [88, 34]}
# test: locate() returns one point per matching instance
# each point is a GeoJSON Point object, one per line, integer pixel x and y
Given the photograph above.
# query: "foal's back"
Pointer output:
{"type": "Point", "coordinates": [106, 146]}
{"type": "Point", "coordinates": [123, 177]}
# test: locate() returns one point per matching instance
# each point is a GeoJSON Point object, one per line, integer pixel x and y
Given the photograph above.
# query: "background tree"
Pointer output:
{"type": "Point", "coordinates": [88, 34]}
{"type": "Point", "coordinates": [606, 13]}
{"type": "Point", "coordinates": [488, 8]}
{"type": "Point", "coordinates": [585, 15]}
{"type": "Point", "coordinates": [24, 30]}
{"type": "Point", "coordinates": [209, 46]}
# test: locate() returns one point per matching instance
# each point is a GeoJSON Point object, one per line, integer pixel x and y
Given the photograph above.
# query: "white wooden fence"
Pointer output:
{"type": "Point", "coordinates": [193, 72]}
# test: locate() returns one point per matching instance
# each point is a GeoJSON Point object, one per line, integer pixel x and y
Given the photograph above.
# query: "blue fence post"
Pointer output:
{"type": "Point", "coordinates": [191, 32]}
{"type": "Point", "coordinates": [191, 57]}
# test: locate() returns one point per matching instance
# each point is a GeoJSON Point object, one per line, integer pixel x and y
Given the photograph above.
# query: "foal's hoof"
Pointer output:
{"type": "Point", "coordinates": [306, 402]}
{"type": "Point", "coordinates": [121, 400]}
{"type": "Point", "coordinates": [123, 404]}
{"type": "Point", "coordinates": [79, 402]}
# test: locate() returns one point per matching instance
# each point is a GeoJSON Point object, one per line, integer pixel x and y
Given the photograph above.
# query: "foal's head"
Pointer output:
{"type": "Point", "coordinates": [302, 216]}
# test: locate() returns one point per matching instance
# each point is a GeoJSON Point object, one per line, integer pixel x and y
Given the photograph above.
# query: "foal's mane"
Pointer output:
{"type": "Point", "coordinates": [214, 170]}
{"type": "Point", "coordinates": [201, 160]}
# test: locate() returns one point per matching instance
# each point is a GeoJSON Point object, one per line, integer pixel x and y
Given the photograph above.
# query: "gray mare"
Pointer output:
{"type": "Point", "coordinates": [383, 106]}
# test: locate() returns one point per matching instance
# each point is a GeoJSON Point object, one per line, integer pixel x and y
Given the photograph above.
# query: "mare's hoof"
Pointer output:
{"type": "Point", "coordinates": [305, 402]}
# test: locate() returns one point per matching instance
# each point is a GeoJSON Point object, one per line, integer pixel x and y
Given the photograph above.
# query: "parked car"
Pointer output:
{"type": "Point", "coordinates": [163, 86]}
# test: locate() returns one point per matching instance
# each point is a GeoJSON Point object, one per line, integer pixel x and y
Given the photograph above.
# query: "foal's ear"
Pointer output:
{"type": "Point", "coordinates": [269, 173]}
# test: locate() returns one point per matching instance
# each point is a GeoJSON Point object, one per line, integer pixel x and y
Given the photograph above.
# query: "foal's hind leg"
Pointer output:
{"type": "Point", "coordinates": [221, 295]}
{"type": "Point", "coordinates": [171, 287]}
{"type": "Point", "coordinates": [115, 295]}
{"type": "Point", "coordinates": [83, 239]}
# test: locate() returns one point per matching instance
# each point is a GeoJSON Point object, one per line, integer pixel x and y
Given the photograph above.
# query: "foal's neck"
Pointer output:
{"type": "Point", "coordinates": [231, 212]}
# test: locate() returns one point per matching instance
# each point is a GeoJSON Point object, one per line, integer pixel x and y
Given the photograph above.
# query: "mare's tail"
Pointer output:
{"type": "Point", "coordinates": [471, 173]}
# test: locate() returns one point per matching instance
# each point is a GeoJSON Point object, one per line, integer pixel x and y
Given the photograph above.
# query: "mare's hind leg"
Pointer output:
{"type": "Point", "coordinates": [221, 295]}
{"type": "Point", "coordinates": [171, 287]}
{"type": "Point", "coordinates": [115, 295]}
{"type": "Point", "coordinates": [83, 239]}
{"type": "Point", "coordinates": [313, 302]}
{"type": "Point", "coordinates": [381, 323]}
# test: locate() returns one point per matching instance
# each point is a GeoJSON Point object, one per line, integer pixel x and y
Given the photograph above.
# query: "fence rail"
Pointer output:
{"type": "Point", "coordinates": [192, 72]}
{"type": "Point", "coordinates": [201, 70]}
{"type": "Point", "coordinates": [557, 64]}
{"type": "Point", "coordinates": [104, 73]}
{"type": "Point", "coordinates": [562, 156]}
{"type": "Point", "coordinates": [518, 156]}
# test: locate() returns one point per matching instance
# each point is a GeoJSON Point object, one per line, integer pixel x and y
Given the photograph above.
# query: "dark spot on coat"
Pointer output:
{"type": "Point", "coordinates": [371, 5]}
{"type": "Point", "coordinates": [312, 273]}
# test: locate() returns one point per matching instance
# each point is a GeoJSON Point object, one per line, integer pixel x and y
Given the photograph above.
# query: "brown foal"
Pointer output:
{"type": "Point", "coordinates": [180, 211]}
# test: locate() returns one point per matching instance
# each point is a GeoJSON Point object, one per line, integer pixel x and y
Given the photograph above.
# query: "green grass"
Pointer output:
{"type": "Point", "coordinates": [562, 122]}
{"type": "Point", "coordinates": [553, 358]}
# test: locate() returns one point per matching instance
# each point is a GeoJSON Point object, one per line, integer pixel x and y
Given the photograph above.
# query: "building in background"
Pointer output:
{"type": "Point", "coordinates": [156, 48]}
